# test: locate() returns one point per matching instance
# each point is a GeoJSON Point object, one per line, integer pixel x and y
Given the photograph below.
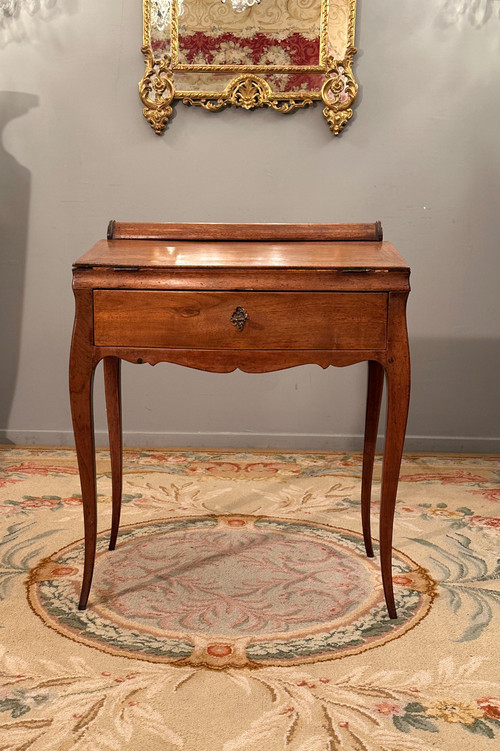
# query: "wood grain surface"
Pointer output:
{"type": "Point", "coordinates": [272, 280]}
{"type": "Point", "coordinates": [257, 232]}
{"type": "Point", "coordinates": [247, 255]}
{"type": "Point", "coordinates": [276, 320]}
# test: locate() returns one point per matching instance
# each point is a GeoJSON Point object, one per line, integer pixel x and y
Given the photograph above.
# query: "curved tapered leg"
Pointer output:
{"type": "Point", "coordinates": [373, 401]}
{"type": "Point", "coordinates": [81, 398]}
{"type": "Point", "coordinates": [398, 399]}
{"type": "Point", "coordinates": [82, 364]}
{"type": "Point", "coordinates": [112, 388]}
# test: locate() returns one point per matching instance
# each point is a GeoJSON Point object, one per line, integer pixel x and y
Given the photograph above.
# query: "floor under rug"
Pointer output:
{"type": "Point", "coordinates": [239, 611]}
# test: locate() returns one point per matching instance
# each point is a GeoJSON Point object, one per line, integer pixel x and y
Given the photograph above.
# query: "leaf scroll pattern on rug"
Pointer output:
{"type": "Point", "coordinates": [376, 711]}
{"type": "Point", "coordinates": [17, 555]}
{"type": "Point", "coordinates": [466, 577]}
{"type": "Point", "coordinates": [72, 706]}
{"type": "Point", "coordinates": [78, 699]}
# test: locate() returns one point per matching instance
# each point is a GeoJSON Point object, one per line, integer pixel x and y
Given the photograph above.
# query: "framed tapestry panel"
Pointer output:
{"type": "Point", "coordinates": [283, 54]}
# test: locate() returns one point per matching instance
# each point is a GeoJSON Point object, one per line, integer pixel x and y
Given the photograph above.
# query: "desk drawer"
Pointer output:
{"type": "Point", "coordinates": [275, 320]}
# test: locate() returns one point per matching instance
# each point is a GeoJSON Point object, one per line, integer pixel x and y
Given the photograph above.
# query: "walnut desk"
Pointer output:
{"type": "Point", "coordinates": [258, 297]}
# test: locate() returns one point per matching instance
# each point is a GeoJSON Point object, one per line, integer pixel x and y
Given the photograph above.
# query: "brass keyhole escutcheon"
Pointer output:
{"type": "Point", "coordinates": [239, 318]}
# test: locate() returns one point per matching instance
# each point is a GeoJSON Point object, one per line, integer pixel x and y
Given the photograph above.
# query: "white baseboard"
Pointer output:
{"type": "Point", "coordinates": [272, 441]}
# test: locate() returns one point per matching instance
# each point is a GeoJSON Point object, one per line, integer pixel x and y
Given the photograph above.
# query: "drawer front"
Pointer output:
{"type": "Point", "coordinates": [274, 320]}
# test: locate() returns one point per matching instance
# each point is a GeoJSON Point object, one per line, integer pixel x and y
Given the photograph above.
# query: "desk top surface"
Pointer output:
{"type": "Point", "coordinates": [179, 254]}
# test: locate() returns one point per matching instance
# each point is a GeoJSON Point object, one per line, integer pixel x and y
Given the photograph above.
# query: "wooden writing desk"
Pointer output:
{"type": "Point", "coordinates": [256, 297]}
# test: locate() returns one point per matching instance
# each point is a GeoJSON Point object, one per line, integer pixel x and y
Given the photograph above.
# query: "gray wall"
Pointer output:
{"type": "Point", "coordinates": [421, 154]}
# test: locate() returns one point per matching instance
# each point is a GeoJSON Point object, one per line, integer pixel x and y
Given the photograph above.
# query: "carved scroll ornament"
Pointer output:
{"type": "Point", "coordinates": [283, 54]}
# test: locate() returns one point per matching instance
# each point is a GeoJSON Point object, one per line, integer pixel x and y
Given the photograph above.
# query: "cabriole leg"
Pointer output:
{"type": "Point", "coordinates": [398, 398]}
{"type": "Point", "coordinates": [373, 401]}
{"type": "Point", "coordinates": [81, 398]}
{"type": "Point", "coordinates": [112, 388]}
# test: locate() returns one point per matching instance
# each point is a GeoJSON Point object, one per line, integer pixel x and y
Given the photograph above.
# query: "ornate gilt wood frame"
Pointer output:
{"type": "Point", "coordinates": [248, 87]}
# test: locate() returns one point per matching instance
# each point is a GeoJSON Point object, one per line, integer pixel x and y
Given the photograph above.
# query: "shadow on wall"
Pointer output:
{"type": "Point", "coordinates": [15, 182]}
{"type": "Point", "coordinates": [455, 404]}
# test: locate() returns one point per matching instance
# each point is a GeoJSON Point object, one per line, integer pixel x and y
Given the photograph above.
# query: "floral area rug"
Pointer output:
{"type": "Point", "coordinates": [239, 611]}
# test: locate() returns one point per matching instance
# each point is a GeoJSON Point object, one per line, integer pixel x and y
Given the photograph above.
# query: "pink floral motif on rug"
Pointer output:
{"type": "Point", "coordinates": [254, 564]}
{"type": "Point", "coordinates": [230, 591]}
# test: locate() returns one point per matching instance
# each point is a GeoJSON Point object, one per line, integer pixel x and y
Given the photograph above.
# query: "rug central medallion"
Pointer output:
{"type": "Point", "coordinates": [226, 591]}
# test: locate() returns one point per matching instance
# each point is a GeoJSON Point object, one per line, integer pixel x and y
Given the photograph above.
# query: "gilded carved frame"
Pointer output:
{"type": "Point", "coordinates": [189, 58]}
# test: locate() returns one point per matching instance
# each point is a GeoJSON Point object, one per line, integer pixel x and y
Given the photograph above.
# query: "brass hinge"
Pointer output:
{"type": "Point", "coordinates": [355, 270]}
